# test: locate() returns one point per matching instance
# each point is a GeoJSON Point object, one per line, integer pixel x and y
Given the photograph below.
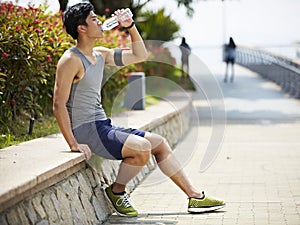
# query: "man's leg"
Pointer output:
{"type": "Point", "coordinates": [136, 153]}
{"type": "Point", "coordinates": [170, 166]}
{"type": "Point", "coordinates": [198, 202]}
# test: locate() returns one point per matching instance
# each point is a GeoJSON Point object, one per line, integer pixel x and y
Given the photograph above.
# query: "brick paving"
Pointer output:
{"type": "Point", "coordinates": [257, 171]}
{"type": "Point", "coordinates": [259, 179]}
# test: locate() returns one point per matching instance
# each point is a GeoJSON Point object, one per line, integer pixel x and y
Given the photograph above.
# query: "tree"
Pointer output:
{"type": "Point", "coordinates": [158, 26]}
{"type": "Point", "coordinates": [165, 27]}
{"type": "Point", "coordinates": [106, 7]}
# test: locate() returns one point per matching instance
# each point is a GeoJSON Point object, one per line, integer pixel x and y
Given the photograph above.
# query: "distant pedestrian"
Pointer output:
{"type": "Point", "coordinates": [230, 53]}
{"type": "Point", "coordinates": [185, 53]}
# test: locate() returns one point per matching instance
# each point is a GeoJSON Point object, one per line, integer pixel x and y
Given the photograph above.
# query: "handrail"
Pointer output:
{"type": "Point", "coordinates": [281, 70]}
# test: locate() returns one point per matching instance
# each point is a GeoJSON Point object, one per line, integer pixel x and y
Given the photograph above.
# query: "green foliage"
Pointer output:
{"type": "Point", "coordinates": [162, 64]}
{"type": "Point", "coordinates": [31, 43]}
{"type": "Point", "coordinates": [158, 26]}
{"type": "Point", "coordinates": [187, 4]}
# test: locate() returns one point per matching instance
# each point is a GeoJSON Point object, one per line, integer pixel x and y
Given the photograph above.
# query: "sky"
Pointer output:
{"type": "Point", "coordinates": [249, 22]}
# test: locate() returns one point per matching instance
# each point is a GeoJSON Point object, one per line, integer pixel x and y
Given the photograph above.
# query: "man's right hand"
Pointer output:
{"type": "Point", "coordinates": [83, 148]}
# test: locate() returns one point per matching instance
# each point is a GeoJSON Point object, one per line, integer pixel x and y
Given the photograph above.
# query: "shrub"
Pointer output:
{"type": "Point", "coordinates": [31, 42]}
{"type": "Point", "coordinates": [158, 26]}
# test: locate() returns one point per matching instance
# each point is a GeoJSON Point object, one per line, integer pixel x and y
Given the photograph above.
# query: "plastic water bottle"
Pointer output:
{"type": "Point", "coordinates": [113, 22]}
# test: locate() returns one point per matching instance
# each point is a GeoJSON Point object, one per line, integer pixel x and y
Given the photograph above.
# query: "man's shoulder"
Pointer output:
{"type": "Point", "coordinates": [69, 57]}
{"type": "Point", "coordinates": [102, 50]}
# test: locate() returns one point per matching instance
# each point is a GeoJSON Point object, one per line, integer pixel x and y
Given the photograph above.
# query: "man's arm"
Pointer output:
{"type": "Point", "coordinates": [137, 52]}
{"type": "Point", "coordinates": [67, 69]}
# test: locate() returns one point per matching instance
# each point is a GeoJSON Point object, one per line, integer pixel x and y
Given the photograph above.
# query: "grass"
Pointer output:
{"type": "Point", "coordinates": [19, 130]}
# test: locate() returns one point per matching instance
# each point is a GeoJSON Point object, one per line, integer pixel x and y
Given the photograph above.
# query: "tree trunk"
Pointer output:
{"type": "Point", "coordinates": [63, 4]}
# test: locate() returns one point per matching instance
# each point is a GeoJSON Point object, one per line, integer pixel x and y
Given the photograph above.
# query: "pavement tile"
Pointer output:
{"type": "Point", "coordinates": [257, 170]}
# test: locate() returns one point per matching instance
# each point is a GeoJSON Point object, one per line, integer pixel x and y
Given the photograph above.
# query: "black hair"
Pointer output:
{"type": "Point", "coordinates": [183, 40]}
{"type": "Point", "coordinates": [231, 43]}
{"type": "Point", "coordinates": [75, 16]}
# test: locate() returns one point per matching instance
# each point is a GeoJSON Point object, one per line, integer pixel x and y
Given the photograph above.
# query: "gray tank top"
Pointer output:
{"type": "Point", "coordinates": [84, 104]}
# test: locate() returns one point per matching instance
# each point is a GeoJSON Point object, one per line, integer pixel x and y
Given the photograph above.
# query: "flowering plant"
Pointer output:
{"type": "Point", "coordinates": [31, 42]}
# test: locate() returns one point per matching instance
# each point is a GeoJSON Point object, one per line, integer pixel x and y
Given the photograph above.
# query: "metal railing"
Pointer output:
{"type": "Point", "coordinates": [283, 71]}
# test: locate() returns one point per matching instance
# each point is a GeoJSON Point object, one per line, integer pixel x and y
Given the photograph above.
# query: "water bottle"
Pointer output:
{"type": "Point", "coordinates": [113, 22]}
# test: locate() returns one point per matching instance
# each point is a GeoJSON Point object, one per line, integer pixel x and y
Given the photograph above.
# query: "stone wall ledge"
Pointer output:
{"type": "Point", "coordinates": [33, 166]}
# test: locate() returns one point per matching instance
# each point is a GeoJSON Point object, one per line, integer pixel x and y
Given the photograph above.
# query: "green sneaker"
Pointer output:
{"type": "Point", "coordinates": [205, 204]}
{"type": "Point", "coordinates": [120, 203]}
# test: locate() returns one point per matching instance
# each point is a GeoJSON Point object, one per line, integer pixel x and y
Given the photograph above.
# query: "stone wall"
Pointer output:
{"type": "Point", "coordinates": [79, 199]}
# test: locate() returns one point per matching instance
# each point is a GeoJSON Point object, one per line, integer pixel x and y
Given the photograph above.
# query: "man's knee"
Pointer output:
{"type": "Point", "coordinates": [143, 145]}
{"type": "Point", "coordinates": [138, 149]}
{"type": "Point", "coordinates": [156, 140]}
{"type": "Point", "coordinates": [137, 143]}
{"type": "Point", "coordinates": [142, 157]}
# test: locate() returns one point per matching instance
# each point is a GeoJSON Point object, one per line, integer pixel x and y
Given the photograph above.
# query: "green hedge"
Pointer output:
{"type": "Point", "coordinates": [31, 42]}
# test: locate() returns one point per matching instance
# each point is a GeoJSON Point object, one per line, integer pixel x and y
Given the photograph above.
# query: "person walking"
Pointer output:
{"type": "Point", "coordinates": [230, 54]}
{"type": "Point", "coordinates": [84, 124]}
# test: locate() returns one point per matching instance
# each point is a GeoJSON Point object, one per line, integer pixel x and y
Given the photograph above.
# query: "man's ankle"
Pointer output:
{"type": "Point", "coordinates": [197, 195]}
{"type": "Point", "coordinates": [118, 188]}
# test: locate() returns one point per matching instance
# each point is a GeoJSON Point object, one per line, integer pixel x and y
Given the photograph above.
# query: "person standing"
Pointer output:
{"type": "Point", "coordinates": [185, 53]}
{"type": "Point", "coordinates": [84, 124]}
{"type": "Point", "coordinates": [230, 54]}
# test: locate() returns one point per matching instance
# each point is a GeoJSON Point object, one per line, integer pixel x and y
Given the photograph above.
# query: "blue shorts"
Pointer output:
{"type": "Point", "coordinates": [104, 139]}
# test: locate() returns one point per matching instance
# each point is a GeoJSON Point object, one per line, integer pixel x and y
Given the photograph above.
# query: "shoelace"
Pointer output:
{"type": "Point", "coordinates": [123, 199]}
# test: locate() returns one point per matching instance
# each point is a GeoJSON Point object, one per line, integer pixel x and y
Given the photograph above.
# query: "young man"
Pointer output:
{"type": "Point", "coordinates": [82, 120]}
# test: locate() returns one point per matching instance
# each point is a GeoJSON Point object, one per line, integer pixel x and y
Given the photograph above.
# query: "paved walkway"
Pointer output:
{"type": "Point", "coordinates": [257, 170]}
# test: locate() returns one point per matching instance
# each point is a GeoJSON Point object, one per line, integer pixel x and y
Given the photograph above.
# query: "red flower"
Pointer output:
{"type": "Point", "coordinates": [18, 28]}
{"type": "Point", "coordinates": [38, 30]}
{"type": "Point", "coordinates": [33, 8]}
{"type": "Point", "coordinates": [4, 54]}
{"type": "Point", "coordinates": [12, 102]}
{"type": "Point", "coordinates": [107, 10]}
{"type": "Point", "coordinates": [37, 21]}
{"type": "Point", "coordinates": [151, 72]}
{"type": "Point", "coordinates": [49, 58]}
{"type": "Point", "coordinates": [10, 7]}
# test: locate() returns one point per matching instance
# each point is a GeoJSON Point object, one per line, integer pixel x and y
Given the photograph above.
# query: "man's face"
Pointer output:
{"type": "Point", "coordinates": [94, 25]}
